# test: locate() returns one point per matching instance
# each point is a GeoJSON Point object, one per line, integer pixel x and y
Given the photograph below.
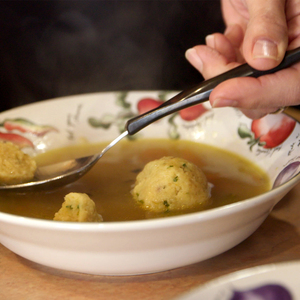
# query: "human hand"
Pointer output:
{"type": "Point", "coordinates": [259, 33]}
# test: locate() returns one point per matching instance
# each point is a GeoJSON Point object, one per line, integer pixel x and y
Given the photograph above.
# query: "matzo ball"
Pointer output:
{"type": "Point", "coordinates": [15, 166]}
{"type": "Point", "coordinates": [170, 184]}
{"type": "Point", "coordinates": [78, 207]}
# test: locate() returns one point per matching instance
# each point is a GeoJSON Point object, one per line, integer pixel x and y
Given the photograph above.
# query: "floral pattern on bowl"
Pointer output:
{"type": "Point", "coordinates": [272, 136]}
{"type": "Point", "coordinates": [265, 136]}
{"type": "Point", "coordinates": [144, 105]}
{"type": "Point", "coordinates": [268, 132]}
{"type": "Point", "coordinates": [23, 126]}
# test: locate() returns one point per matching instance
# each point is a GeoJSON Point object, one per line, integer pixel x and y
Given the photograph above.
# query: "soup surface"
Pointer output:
{"type": "Point", "coordinates": [109, 183]}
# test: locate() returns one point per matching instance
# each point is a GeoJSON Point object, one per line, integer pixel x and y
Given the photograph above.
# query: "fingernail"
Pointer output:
{"type": "Point", "coordinates": [265, 49]}
{"type": "Point", "coordinates": [192, 55]}
{"type": "Point", "coordinates": [224, 102]}
{"type": "Point", "coordinates": [210, 41]}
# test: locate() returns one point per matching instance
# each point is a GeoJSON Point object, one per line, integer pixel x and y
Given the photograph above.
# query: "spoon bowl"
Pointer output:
{"type": "Point", "coordinates": [68, 171]}
{"type": "Point", "coordinates": [62, 173]}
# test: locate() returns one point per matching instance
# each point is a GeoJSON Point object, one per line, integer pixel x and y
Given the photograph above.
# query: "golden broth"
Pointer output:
{"type": "Point", "coordinates": [109, 183]}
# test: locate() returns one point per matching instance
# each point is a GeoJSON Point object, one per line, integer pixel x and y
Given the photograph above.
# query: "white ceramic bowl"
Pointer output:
{"type": "Point", "coordinates": [137, 247]}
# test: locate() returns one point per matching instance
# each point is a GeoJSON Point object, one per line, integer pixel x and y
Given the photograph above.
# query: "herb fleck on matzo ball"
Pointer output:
{"type": "Point", "coordinates": [170, 184]}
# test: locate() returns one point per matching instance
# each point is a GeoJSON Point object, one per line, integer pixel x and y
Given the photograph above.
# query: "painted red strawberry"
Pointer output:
{"type": "Point", "coordinates": [269, 131]}
{"type": "Point", "coordinates": [17, 139]}
{"type": "Point", "coordinates": [147, 104]}
{"type": "Point", "coordinates": [273, 130]}
{"type": "Point", "coordinates": [193, 112]}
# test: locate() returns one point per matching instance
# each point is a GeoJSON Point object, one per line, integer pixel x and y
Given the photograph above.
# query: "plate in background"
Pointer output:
{"type": "Point", "coordinates": [269, 282]}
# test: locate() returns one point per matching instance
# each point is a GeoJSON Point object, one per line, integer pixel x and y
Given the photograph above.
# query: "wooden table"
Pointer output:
{"type": "Point", "coordinates": [277, 240]}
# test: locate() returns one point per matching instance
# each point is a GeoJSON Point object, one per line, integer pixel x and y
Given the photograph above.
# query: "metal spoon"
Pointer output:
{"type": "Point", "coordinates": [66, 172]}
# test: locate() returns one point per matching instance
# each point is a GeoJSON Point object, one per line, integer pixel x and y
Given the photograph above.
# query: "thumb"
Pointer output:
{"type": "Point", "coordinates": [266, 37]}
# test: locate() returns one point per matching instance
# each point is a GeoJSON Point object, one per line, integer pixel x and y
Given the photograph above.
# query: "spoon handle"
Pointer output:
{"type": "Point", "coordinates": [201, 92]}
